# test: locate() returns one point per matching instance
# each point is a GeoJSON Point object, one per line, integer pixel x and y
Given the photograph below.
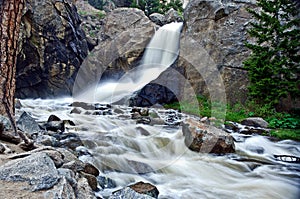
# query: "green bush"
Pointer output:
{"type": "Point", "coordinates": [287, 121]}
{"type": "Point", "coordinates": [286, 134]}
{"type": "Point", "coordinates": [157, 6]}
{"type": "Point", "coordinates": [273, 66]}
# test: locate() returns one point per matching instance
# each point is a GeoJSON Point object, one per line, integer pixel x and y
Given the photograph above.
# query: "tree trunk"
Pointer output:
{"type": "Point", "coordinates": [10, 19]}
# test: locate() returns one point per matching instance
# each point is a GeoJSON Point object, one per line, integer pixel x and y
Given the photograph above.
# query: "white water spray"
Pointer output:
{"type": "Point", "coordinates": [160, 53]}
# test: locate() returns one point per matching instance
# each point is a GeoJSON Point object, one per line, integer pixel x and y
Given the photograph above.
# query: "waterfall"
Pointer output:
{"type": "Point", "coordinates": [160, 53]}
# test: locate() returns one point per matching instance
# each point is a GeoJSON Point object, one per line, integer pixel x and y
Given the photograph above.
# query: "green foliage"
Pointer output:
{"type": "Point", "coordinates": [157, 6]}
{"type": "Point", "coordinates": [204, 109]}
{"type": "Point", "coordinates": [274, 64]}
{"type": "Point", "coordinates": [285, 121]}
{"type": "Point", "coordinates": [286, 134]}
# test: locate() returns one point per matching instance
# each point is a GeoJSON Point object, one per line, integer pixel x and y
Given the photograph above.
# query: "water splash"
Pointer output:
{"type": "Point", "coordinates": [160, 53]}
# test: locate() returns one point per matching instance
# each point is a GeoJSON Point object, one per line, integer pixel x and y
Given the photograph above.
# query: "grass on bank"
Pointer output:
{"type": "Point", "coordinates": [284, 125]}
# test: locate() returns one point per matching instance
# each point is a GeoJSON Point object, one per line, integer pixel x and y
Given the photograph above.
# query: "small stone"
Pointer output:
{"type": "Point", "coordinates": [91, 169]}
{"type": "Point", "coordinates": [2, 148]}
{"type": "Point", "coordinates": [158, 19]}
{"type": "Point", "coordinates": [55, 126]}
{"type": "Point", "coordinates": [74, 165]}
{"type": "Point", "coordinates": [56, 157]}
{"type": "Point", "coordinates": [145, 188]}
{"type": "Point", "coordinates": [76, 110]}
{"type": "Point", "coordinates": [92, 180]}
{"type": "Point", "coordinates": [47, 140]}
{"type": "Point", "coordinates": [27, 124]}
{"type": "Point", "coordinates": [69, 140]}
{"type": "Point", "coordinates": [106, 183]}
{"type": "Point", "coordinates": [53, 118]}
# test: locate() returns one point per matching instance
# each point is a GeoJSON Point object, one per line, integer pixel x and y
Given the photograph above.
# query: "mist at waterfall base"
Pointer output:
{"type": "Point", "coordinates": [160, 53]}
{"type": "Point", "coordinates": [117, 146]}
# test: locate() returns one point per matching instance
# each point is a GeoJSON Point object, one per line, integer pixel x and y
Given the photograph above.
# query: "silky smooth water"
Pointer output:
{"type": "Point", "coordinates": [160, 53]}
{"type": "Point", "coordinates": [128, 152]}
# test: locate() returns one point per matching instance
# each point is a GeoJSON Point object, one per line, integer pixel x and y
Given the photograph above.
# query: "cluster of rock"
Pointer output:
{"type": "Point", "coordinates": [171, 16]}
{"type": "Point", "coordinates": [92, 23]}
{"type": "Point", "coordinates": [52, 48]}
{"type": "Point", "coordinates": [54, 168]}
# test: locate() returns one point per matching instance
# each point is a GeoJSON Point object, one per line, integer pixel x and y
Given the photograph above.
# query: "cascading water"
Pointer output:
{"type": "Point", "coordinates": [128, 152]}
{"type": "Point", "coordinates": [160, 53]}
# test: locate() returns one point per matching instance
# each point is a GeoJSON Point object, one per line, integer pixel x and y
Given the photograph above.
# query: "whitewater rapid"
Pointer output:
{"type": "Point", "coordinates": [178, 173]}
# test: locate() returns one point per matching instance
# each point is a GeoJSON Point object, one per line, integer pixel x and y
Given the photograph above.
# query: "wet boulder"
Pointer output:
{"type": "Point", "coordinates": [55, 124]}
{"type": "Point", "coordinates": [106, 183]}
{"type": "Point", "coordinates": [138, 190]}
{"type": "Point", "coordinates": [28, 124]}
{"type": "Point", "coordinates": [200, 137]}
{"type": "Point", "coordinates": [256, 122]}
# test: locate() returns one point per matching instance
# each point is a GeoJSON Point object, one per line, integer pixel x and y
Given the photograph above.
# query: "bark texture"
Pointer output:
{"type": "Point", "coordinates": [10, 18]}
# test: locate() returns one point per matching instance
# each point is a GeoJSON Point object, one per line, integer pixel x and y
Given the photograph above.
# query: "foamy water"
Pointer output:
{"type": "Point", "coordinates": [166, 162]}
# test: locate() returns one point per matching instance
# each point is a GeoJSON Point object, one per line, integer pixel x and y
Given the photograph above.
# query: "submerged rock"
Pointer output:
{"type": "Point", "coordinates": [106, 183]}
{"type": "Point", "coordinates": [138, 190]}
{"type": "Point", "coordinates": [145, 188]}
{"type": "Point", "coordinates": [204, 138]}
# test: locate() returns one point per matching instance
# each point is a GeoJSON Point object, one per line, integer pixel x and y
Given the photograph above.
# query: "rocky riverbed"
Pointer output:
{"type": "Point", "coordinates": [110, 151]}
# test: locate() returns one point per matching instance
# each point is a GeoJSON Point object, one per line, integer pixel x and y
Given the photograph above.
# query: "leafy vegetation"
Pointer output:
{"type": "Point", "coordinates": [293, 134]}
{"type": "Point", "coordinates": [148, 6]}
{"type": "Point", "coordinates": [274, 64]}
{"type": "Point", "coordinates": [285, 121]}
{"type": "Point", "coordinates": [203, 108]}
{"type": "Point", "coordinates": [284, 125]}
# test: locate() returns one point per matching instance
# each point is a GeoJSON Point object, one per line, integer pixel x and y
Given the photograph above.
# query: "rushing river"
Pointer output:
{"type": "Point", "coordinates": [128, 152]}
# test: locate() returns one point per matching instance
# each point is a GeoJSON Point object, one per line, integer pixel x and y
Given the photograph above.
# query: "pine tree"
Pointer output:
{"type": "Point", "coordinates": [274, 63]}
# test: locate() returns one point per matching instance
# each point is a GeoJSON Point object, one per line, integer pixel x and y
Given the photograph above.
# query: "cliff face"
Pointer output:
{"type": "Point", "coordinates": [126, 33]}
{"type": "Point", "coordinates": [52, 48]}
{"type": "Point", "coordinates": [216, 31]}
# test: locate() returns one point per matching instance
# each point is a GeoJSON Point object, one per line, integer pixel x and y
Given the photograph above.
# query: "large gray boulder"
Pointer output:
{"type": "Point", "coordinates": [37, 169]}
{"type": "Point", "coordinates": [52, 48]}
{"type": "Point", "coordinates": [42, 173]}
{"type": "Point", "coordinates": [200, 137]}
{"type": "Point", "coordinates": [216, 31]}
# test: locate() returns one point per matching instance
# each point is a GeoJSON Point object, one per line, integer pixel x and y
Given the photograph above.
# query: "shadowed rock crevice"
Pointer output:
{"type": "Point", "coordinates": [52, 48]}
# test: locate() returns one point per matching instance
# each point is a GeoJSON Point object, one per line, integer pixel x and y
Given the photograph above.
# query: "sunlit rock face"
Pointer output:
{"type": "Point", "coordinates": [217, 30]}
{"type": "Point", "coordinates": [52, 48]}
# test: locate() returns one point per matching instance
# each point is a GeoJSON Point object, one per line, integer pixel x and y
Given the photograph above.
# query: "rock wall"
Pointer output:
{"type": "Point", "coordinates": [126, 33]}
{"type": "Point", "coordinates": [52, 49]}
{"type": "Point", "coordinates": [216, 31]}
